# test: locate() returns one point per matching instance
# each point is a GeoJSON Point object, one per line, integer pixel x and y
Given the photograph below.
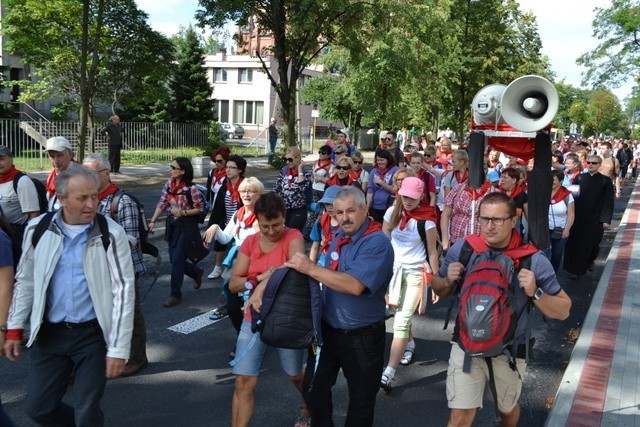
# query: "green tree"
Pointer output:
{"type": "Point", "coordinates": [73, 45]}
{"type": "Point", "coordinates": [605, 111]}
{"type": "Point", "coordinates": [190, 90]}
{"type": "Point", "coordinates": [617, 57]}
{"type": "Point", "coordinates": [301, 29]}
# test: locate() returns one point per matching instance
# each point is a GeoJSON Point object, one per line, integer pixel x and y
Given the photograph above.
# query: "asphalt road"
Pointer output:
{"type": "Point", "coordinates": [189, 382]}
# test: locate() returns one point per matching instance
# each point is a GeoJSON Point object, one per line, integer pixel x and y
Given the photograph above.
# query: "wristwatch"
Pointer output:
{"type": "Point", "coordinates": [251, 283]}
{"type": "Point", "coordinates": [3, 328]}
{"type": "Point", "coordinates": [248, 285]}
{"type": "Point", "coordinates": [538, 294]}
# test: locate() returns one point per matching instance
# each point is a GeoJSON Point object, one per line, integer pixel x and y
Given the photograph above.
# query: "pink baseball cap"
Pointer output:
{"type": "Point", "coordinates": [412, 187]}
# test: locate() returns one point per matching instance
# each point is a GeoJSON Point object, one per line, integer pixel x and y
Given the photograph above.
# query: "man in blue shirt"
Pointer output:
{"type": "Point", "coordinates": [80, 294]}
{"type": "Point", "coordinates": [354, 281]}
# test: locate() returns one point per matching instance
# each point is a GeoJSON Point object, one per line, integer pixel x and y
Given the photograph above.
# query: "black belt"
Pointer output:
{"type": "Point", "coordinates": [70, 325]}
{"type": "Point", "coordinates": [358, 331]}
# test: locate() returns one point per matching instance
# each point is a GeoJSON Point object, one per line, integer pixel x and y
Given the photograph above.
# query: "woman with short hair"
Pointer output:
{"type": "Point", "coordinates": [294, 186]}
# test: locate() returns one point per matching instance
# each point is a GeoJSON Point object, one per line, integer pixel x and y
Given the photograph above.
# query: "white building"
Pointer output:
{"type": "Point", "coordinates": [244, 94]}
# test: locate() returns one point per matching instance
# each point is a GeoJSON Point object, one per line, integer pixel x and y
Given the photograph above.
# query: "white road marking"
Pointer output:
{"type": "Point", "coordinates": [194, 324]}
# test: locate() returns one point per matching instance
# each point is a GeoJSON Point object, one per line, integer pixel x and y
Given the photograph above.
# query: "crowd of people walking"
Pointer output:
{"type": "Point", "coordinates": [384, 242]}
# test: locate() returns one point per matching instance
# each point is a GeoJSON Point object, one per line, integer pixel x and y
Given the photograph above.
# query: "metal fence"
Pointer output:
{"type": "Point", "coordinates": [143, 142]}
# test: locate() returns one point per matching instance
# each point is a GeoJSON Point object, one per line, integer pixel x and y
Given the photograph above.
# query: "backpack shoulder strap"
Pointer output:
{"type": "Point", "coordinates": [41, 227]}
{"type": "Point", "coordinates": [104, 231]}
{"type": "Point", "coordinates": [423, 235]}
{"type": "Point", "coordinates": [465, 256]}
{"type": "Point", "coordinates": [189, 196]}
{"type": "Point", "coordinates": [16, 178]}
{"type": "Point", "coordinates": [113, 210]}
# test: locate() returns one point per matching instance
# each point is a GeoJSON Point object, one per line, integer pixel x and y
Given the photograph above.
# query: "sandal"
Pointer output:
{"type": "Point", "coordinates": [407, 357]}
{"type": "Point", "coordinates": [385, 383]}
{"type": "Point", "coordinates": [303, 420]}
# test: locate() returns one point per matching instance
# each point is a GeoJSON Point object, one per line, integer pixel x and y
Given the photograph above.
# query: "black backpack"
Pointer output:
{"type": "Point", "coordinates": [291, 311]}
{"type": "Point", "coordinates": [43, 203]}
{"type": "Point", "coordinates": [43, 225]}
{"type": "Point", "coordinates": [143, 225]}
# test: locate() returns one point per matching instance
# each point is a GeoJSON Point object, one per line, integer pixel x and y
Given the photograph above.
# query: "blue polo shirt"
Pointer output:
{"type": "Point", "coordinates": [370, 260]}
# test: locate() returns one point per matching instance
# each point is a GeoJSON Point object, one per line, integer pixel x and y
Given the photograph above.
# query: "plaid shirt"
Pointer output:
{"type": "Point", "coordinates": [180, 198]}
{"type": "Point", "coordinates": [126, 215]}
{"type": "Point", "coordinates": [460, 201]}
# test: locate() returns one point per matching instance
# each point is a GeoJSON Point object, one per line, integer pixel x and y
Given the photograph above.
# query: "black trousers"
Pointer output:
{"type": "Point", "coordinates": [114, 157]}
{"type": "Point", "coordinates": [360, 355]}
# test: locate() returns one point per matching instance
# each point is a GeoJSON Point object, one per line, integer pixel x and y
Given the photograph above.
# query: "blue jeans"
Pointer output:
{"type": "Point", "coordinates": [180, 266]}
{"type": "Point", "coordinates": [59, 349]}
{"type": "Point", "coordinates": [555, 251]}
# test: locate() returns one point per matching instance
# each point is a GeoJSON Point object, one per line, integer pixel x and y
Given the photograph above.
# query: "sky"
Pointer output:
{"type": "Point", "coordinates": [564, 27]}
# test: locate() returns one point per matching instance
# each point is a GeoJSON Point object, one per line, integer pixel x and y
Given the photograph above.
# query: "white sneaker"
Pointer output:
{"type": "Point", "coordinates": [217, 272]}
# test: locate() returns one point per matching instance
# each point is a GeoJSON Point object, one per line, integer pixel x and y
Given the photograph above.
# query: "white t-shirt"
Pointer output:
{"type": "Point", "coordinates": [558, 212]}
{"type": "Point", "coordinates": [407, 245]}
{"type": "Point", "coordinates": [14, 207]}
{"type": "Point", "coordinates": [321, 173]}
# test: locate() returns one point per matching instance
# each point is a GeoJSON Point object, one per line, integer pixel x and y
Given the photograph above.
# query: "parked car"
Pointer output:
{"type": "Point", "coordinates": [233, 130]}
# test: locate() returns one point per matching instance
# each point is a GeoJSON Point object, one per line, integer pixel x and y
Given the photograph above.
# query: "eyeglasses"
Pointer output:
{"type": "Point", "coordinates": [231, 167]}
{"type": "Point", "coordinates": [496, 221]}
{"type": "Point", "coordinates": [343, 168]}
{"type": "Point", "coordinates": [174, 168]}
{"type": "Point", "coordinates": [357, 162]}
{"type": "Point", "coordinates": [219, 160]}
{"type": "Point", "coordinates": [288, 159]}
{"type": "Point", "coordinates": [249, 192]}
{"type": "Point", "coordinates": [593, 163]}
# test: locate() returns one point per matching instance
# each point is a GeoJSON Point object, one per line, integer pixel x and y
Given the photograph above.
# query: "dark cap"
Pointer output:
{"type": "Point", "coordinates": [5, 151]}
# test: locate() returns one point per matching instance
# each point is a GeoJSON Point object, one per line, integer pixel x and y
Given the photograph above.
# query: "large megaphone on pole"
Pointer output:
{"type": "Point", "coordinates": [509, 119]}
{"type": "Point", "coordinates": [528, 104]}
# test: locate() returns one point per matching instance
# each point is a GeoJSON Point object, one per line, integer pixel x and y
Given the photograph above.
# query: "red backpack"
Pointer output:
{"type": "Point", "coordinates": [488, 317]}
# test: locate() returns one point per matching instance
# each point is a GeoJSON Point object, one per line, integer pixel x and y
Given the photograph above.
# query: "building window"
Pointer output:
{"type": "Point", "coordinates": [245, 75]}
{"type": "Point", "coordinates": [248, 112]}
{"type": "Point", "coordinates": [219, 75]}
{"type": "Point", "coordinates": [224, 111]}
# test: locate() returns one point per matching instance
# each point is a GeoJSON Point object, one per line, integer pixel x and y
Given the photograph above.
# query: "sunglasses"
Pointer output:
{"type": "Point", "coordinates": [388, 139]}
{"type": "Point", "coordinates": [219, 160]}
{"type": "Point", "coordinates": [340, 152]}
{"type": "Point", "coordinates": [343, 168]}
{"type": "Point", "coordinates": [174, 168]}
{"type": "Point", "coordinates": [323, 153]}
{"type": "Point", "coordinates": [593, 163]}
{"type": "Point", "coordinates": [288, 159]}
{"type": "Point", "coordinates": [357, 162]}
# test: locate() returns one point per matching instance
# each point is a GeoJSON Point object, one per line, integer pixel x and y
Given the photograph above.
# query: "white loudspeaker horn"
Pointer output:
{"type": "Point", "coordinates": [486, 104]}
{"type": "Point", "coordinates": [529, 103]}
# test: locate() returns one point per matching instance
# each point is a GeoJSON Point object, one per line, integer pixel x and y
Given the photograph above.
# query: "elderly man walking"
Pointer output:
{"type": "Point", "coordinates": [76, 281]}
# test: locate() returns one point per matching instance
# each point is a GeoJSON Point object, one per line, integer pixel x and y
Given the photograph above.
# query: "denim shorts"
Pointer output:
{"type": "Point", "coordinates": [249, 356]}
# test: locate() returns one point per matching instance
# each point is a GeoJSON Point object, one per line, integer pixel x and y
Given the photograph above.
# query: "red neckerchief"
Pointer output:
{"type": "Point", "coordinates": [515, 192]}
{"type": "Point", "coordinates": [426, 213]}
{"type": "Point", "coordinates": [218, 176]}
{"type": "Point", "coordinates": [51, 187]}
{"type": "Point", "coordinates": [111, 188]}
{"type": "Point", "coordinates": [515, 250]}
{"type": "Point", "coordinates": [233, 190]}
{"type": "Point", "coordinates": [381, 172]}
{"type": "Point", "coordinates": [334, 180]}
{"type": "Point", "coordinates": [325, 226]}
{"type": "Point", "coordinates": [291, 175]}
{"type": "Point", "coordinates": [572, 176]}
{"type": "Point", "coordinates": [560, 195]}
{"type": "Point", "coordinates": [460, 178]}
{"type": "Point", "coordinates": [373, 226]}
{"type": "Point", "coordinates": [355, 175]}
{"type": "Point", "coordinates": [8, 177]}
{"type": "Point", "coordinates": [242, 222]}
{"type": "Point", "coordinates": [174, 187]}
{"type": "Point", "coordinates": [486, 186]}
{"type": "Point", "coordinates": [326, 164]}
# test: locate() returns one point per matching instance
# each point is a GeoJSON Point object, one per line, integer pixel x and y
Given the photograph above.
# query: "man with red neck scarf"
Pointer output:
{"type": "Point", "coordinates": [354, 281]}
{"type": "Point", "coordinates": [61, 155]}
{"type": "Point", "coordinates": [125, 214]}
{"type": "Point", "coordinates": [535, 285]}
